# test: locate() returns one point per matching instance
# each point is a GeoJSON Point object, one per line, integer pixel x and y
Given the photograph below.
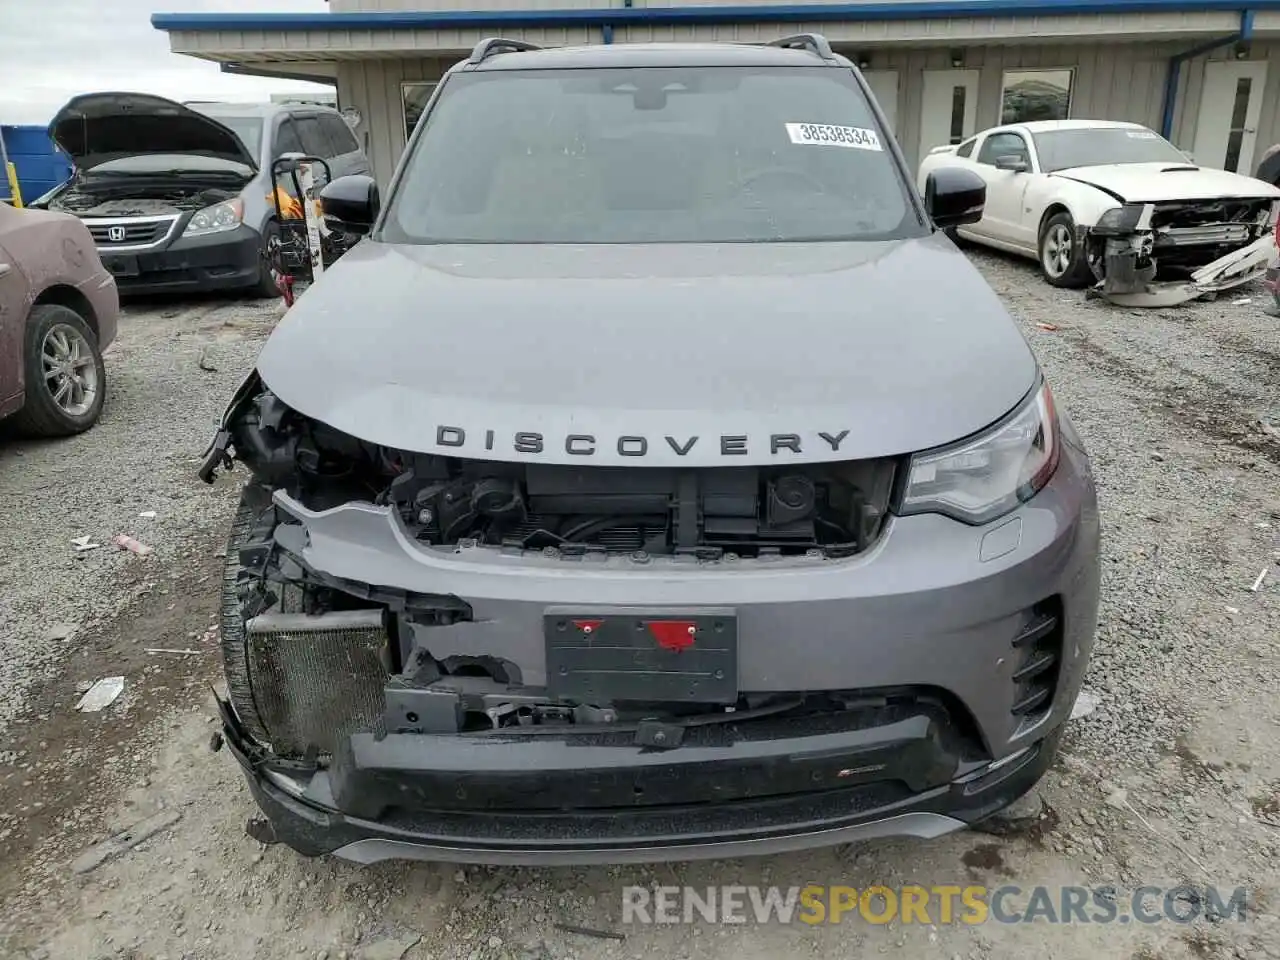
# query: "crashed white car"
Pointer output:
{"type": "Point", "coordinates": [1117, 207]}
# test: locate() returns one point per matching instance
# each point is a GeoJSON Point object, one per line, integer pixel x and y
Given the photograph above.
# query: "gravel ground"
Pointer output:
{"type": "Point", "coordinates": [1174, 778]}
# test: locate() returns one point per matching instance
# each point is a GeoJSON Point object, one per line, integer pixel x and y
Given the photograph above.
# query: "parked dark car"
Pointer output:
{"type": "Point", "coordinates": [58, 312]}
{"type": "Point", "coordinates": [178, 197]}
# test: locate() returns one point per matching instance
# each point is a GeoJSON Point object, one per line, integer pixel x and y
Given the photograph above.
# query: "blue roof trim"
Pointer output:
{"type": "Point", "coordinates": [792, 13]}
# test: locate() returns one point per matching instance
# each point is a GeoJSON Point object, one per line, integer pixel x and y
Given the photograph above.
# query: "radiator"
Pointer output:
{"type": "Point", "coordinates": [316, 679]}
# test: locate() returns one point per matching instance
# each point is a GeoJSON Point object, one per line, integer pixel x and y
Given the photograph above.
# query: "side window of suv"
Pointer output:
{"type": "Point", "coordinates": [287, 140]}
{"type": "Point", "coordinates": [340, 135]}
{"type": "Point", "coordinates": [314, 142]}
{"type": "Point", "coordinates": [1002, 145]}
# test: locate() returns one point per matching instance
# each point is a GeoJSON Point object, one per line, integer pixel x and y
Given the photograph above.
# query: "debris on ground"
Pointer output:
{"type": "Point", "coordinates": [1257, 584]}
{"type": "Point", "coordinates": [59, 631]}
{"type": "Point", "coordinates": [125, 542]}
{"type": "Point", "coordinates": [84, 543]}
{"type": "Point", "coordinates": [147, 515]}
{"type": "Point", "coordinates": [204, 363]}
{"type": "Point", "coordinates": [391, 948]}
{"type": "Point", "coordinates": [185, 653]}
{"type": "Point", "coordinates": [590, 932]}
{"type": "Point", "coordinates": [102, 694]}
{"type": "Point", "coordinates": [1085, 704]}
{"type": "Point", "coordinates": [124, 841]}
{"type": "Point", "coordinates": [1048, 326]}
{"type": "Point", "coordinates": [1119, 798]}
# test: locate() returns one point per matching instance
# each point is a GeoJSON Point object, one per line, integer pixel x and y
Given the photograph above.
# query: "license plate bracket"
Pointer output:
{"type": "Point", "coordinates": [611, 654]}
{"type": "Point", "coordinates": [121, 266]}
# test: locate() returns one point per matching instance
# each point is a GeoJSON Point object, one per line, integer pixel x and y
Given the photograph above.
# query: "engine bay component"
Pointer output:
{"type": "Point", "coordinates": [1162, 254]}
{"type": "Point", "coordinates": [835, 508]}
{"type": "Point", "coordinates": [138, 196]}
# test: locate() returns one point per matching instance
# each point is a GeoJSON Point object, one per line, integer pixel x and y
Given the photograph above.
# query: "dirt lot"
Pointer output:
{"type": "Point", "coordinates": [1173, 779]}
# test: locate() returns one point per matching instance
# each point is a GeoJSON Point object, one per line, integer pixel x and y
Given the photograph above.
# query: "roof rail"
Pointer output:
{"type": "Point", "coordinates": [491, 45]}
{"type": "Point", "coordinates": [805, 41]}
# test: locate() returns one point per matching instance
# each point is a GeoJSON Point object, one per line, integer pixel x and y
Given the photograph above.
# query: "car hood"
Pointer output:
{"type": "Point", "coordinates": [652, 355]}
{"type": "Point", "coordinates": [96, 127]}
{"type": "Point", "coordinates": [1151, 182]}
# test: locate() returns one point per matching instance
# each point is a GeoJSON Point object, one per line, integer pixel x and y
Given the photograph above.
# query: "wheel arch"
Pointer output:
{"type": "Point", "coordinates": [65, 295]}
{"type": "Point", "coordinates": [1054, 208]}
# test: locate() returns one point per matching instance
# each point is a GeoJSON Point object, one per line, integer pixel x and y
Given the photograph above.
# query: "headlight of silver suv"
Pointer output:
{"type": "Point", "coordinates": [981, 479]}
{"type": "Point", "coordinates": [215, 219]}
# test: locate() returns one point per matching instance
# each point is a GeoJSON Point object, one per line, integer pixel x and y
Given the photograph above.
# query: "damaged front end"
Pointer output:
{"type": "Point", "coordinates": [277, 604]}
{"type": "Point", "coordinates": [1166, 253]}
{"type": "Point", "coordinates": [536, 716]}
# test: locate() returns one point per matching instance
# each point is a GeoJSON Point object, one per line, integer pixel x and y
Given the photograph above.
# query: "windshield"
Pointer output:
{"type": "Point", "coordinates": [248, 129]}
{"type": "Point", "coordinates": [1096, 146]}
{"type": "Point", "coordinates": [649, 155]}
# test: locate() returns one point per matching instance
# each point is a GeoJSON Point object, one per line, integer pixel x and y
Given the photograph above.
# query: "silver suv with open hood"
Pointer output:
{"type": "Point", "coordinates": [654, 480]}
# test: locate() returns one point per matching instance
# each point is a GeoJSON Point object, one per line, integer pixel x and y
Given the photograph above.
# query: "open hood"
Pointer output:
{"type": "Point", "coordinates": [94, 128]}
{"type": "Point", "coordinates": [1153, 182]}
{"type": "Point", "coordinates": [652, 355]}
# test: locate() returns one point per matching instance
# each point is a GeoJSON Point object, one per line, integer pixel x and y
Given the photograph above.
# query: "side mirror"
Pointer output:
{"type": "Point", "coordinates": [350, 204]}
{"type": "Point", "coordinates": [1012, 162]}
{"type": "Point", "coordinates": [954, 196]}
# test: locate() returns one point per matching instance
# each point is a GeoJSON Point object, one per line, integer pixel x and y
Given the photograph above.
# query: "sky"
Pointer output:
{"type": "Point", "coordinates": [51, 50]}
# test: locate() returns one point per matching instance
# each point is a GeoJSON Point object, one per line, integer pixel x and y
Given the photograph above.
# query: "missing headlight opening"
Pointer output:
{"type": "Point", "coordinates": [1186, 248]}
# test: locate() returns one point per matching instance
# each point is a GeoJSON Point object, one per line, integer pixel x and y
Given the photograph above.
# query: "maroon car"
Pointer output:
{"type": "Point", "coordinates": [58, 312]}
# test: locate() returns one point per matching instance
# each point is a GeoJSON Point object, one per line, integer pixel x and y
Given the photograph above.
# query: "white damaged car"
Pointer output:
{"type": "Point", "coordinates": [1115, 206]}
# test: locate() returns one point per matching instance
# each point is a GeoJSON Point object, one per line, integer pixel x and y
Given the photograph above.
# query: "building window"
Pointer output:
{"type": "Point", "coordinates": [414, 96]}
{"type": "Point", "coordinates": [1029, 95]}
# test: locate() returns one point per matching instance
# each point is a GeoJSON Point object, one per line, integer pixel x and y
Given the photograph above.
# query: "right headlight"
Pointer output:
{"type": "Point", "coordinates": [216, 219]}
{"type": "Point", "coordinates": [983, 478]}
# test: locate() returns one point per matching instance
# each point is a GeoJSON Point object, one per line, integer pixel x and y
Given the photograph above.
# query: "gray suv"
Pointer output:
{"type": "Point", "coordinates": [178, 197]}
{"type": "Point", "coordinates": [654, 480]}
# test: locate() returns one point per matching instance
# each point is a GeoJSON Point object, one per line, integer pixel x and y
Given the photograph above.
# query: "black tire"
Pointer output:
{"type": "Point", "coordinates": [42, 415]}
{"type": "Point", "coordinates": [1069, 269]}
{"type": "Point", "coordinates": [266, 285]}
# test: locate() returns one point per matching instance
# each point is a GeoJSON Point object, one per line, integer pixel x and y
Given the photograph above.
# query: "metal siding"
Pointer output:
{"type": "Point", "coordinates": [229, 44]}
{"type": "Point", "coordinates": [410, 6]}
{"type": "Point", "coordinates": [1191, 86]}
{"type": "Point", "coordinates": [1269, 122]}
{"type": "Point", "coordinates": [1115, 81]}
{"type": "Point", "coordinates": [373, 87]}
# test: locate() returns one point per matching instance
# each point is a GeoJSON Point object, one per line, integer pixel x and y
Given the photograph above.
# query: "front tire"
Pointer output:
{"type": "Point", "coordinates": [65, 377]}
{"type": "Point", "coordinates": [266, 286]}
{"type": "Point", "coordinates": [1062, 256]}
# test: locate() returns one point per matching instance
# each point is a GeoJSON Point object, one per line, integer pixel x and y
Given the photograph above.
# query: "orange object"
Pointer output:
{"type": "Point", "coordinates": [288, 205]}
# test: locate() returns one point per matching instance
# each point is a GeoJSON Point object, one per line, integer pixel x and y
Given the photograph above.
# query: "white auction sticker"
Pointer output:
{"type": "Point", "coordinates": [828, 135]}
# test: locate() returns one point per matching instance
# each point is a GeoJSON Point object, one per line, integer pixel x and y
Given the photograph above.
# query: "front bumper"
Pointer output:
{"type": "Point", "coordinates": [934, 606]}
{"type": "Point", "coordinates": [219, 261]}
{"type": "Point", "coordinates": [303, 812]}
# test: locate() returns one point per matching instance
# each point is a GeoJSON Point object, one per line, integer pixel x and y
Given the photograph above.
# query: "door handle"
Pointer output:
{"type": "Point", "coordinates": [5, 269]}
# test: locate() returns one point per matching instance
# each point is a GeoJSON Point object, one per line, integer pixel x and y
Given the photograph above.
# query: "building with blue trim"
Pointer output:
{"type": "Point", "coordinates": [1199, 71]}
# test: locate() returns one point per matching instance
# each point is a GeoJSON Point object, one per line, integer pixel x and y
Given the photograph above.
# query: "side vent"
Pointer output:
{"type": "Point", "coordinates": [1038, 654]}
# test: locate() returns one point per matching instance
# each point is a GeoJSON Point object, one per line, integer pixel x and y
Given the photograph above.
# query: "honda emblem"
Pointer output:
{"type": "Point", "coordinates": [115, 234]}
